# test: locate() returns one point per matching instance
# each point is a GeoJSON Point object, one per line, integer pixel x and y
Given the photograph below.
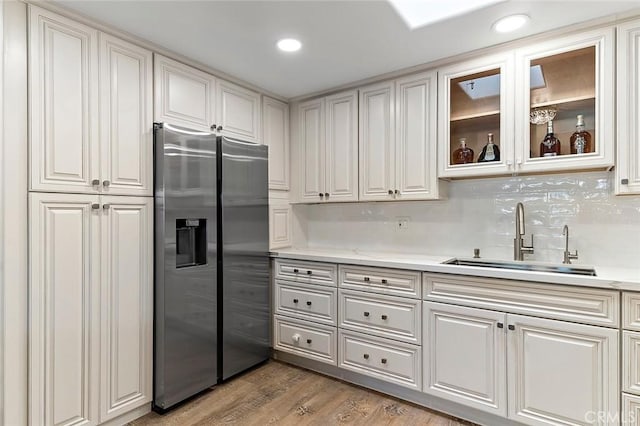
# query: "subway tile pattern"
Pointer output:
{"type": "Point", "coordinates": [605, 229]}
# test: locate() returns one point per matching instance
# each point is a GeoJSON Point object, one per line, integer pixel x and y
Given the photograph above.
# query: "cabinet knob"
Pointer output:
{"type": "Point", "coordinates": [383, 360]}
{"type": "Point", "coordinates": [512, 327]}
{"type": "Point", "coordinates": [391, 192]}
{"type": "Point", "coordinates": [321, 195]}
{"type": "Point", "coordinates": [95, 206]}
{"type": "Point", "coordinates": [309, 341]}
{"type": "Point", "coordinates": [295, 300]}
{"type": "Point", "coordinates": [219, 128]}
{"type": "Point", "coordinates": [384, 281]}
{"type": "Point", "coordinates": [95, 182]}
{"type": "Point", "coordinates": [625, 181]}
{"type": "Point", "coordinates": [326, 195]}
{"type": "Point", "coordinates": [366, 356]}
{"type": "Point", "coordinates": [384, 317]}
{"type": "Point", "coordinates": [366, 279]}
{"type": "Point", "coordinates": [500, 325]}
{"type": "Point", "coordinates": [296, 270]}
{"type": "Point", "coordinates": [396, 192]}
{"type": "Point", "coordinates": [309, 272]}
{"type": "Point", "coordinates": [106, 183]}
{"type": "Point", "coordinates": [295, 338]}
{"type": "Point", "coordinates": [106, 206]}
{"type": "Point", "coordinates": [366, 314]}
{"type": "Point", "coordinates": [213, 127]}
{"type": "Point", "coordinates": [308, 302]}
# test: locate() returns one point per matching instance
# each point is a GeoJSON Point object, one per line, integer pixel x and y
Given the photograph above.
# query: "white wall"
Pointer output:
{"type": "Point", "coordinates": [481, 213]}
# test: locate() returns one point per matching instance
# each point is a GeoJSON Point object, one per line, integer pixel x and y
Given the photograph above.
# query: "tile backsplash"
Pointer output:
{"type": "Point", "coordinates": [480, 213]}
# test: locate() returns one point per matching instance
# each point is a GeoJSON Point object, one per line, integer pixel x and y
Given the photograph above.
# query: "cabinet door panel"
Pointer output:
{"type": "Point", "coordinates": [275, 122]}
{"type": "Point", "coordinates": [558, 372]}
{"type": "Point", "coordinates": [464, 356]}
{"type": "Point", "coordinates": [63, 56]}
{"type": "Point", "coordinates": [416, 163]}
{"type": "Point", "coordinates": [127, 294]}
{"type": "Point", "coordinates": [628, 111]}
{"type": "Point", "coordinates": [280, 217]}
{"type": "Point", "coordinates": [183, 95]}
{"type": "Point", "coordinates": [377, 142]}
{"type": "Point", "coordinates": [342, 147]}
{"type": "Point", "coordinates": [64, 309]}
{"type": "Point", "coordinates": [238, 112]}
{"type": "Point", "coordinates": [311, 136]}
{"type": "Point", "coordinates": [126, 118]}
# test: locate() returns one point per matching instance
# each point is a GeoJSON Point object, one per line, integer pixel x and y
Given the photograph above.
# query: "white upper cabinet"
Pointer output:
{"type": "Point", "coordinates": [63, 103]}
{"type": "Point", "coordinates": [311, 139]}
{"type": "Point", "coordinates": [377, 141]}
{"type": "Point", "coordinates": [475, 99]}
{"type": "Point", "coordinates": [183, 95]}
{"type": "Point", "coordinates": [561, 79]}
{"type": "Point", "coordinates": [398, 139]}
{"type": "Point", "coordinates": [328, 139]}
{"type": "Point", "coordinates": [126, 118]}
{"type": "Point", "coordinates": [275, 134]}
{"type": "Point", "coordinates": [556, 80]}
{"type": "Point", "coordinates": [238, 112]}
{"type": "Point", "coordinates": [341, 147]}
{"type": "Point", "coordinates": [416, 158]}
{"type": "Point", "coordinates": [628, 158]}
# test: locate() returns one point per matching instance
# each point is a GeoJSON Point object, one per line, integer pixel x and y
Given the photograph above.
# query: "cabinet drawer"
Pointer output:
{"type": "Point", "coordinates": [630, 410]}
{"type": "Point", "coordinates": [631, 311]}
{"type": "Point", "coordinates": [310, 303]}
{"type": "Point", "coordinates": [306, 272]}
{"type": "Point", "coordinates": [577, 304]}
{"type": "Point", "coordinates": [306, 339]}
{"type": "Point", "coordinates": [387, 316]}
{"type": "Point", "coordinates": [383, 359]}
{"type": "Point", "coordinates": [631, 362]}
{"type": "Point", "coordinates": [380, 280]}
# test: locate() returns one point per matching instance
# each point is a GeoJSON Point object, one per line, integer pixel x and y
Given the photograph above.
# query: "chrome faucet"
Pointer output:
{"type": "Point", "coordinates": [519, 249]}
{"type": "Point", "coordinates": [568, 256]}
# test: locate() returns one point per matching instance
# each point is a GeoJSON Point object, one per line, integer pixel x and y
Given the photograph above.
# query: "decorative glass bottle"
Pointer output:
{"type": "Point", "coordinates": [550, 145]}
{"type": "Point", "coordinates": [464, 154]}
{"type": "Point", "coordinates": [580, 139]}
{"type": "Point", "coordinates": [490, 152]}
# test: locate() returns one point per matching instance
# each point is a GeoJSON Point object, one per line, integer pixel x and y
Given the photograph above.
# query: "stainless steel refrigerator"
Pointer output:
{"type": "Point", "coordinates": [211, 261]}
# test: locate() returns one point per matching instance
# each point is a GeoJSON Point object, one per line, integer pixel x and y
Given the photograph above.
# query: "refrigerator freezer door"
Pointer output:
{"type": "Point", "coordinates": [185, 331]}
{"type": "Point", "coordinates": [245, 255]}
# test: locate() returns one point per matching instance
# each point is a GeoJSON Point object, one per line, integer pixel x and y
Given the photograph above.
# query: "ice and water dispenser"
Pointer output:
{"type": "Point", "coordinates": [191, 242]}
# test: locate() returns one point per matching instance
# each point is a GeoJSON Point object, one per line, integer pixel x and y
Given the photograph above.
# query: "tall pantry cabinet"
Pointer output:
{"type": "Point", "coordinates": [90, 223]}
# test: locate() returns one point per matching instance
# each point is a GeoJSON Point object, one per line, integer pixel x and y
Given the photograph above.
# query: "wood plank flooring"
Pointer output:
{"type": "Point", "coordinates": [281, 394]}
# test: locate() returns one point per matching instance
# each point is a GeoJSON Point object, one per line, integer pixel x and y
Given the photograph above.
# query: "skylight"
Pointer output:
{"type": "Point", "coordinates": [418, 13]}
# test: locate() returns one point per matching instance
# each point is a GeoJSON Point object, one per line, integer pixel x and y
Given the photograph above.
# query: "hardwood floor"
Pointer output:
{"type": "Point", "coordinates": [281, 394]}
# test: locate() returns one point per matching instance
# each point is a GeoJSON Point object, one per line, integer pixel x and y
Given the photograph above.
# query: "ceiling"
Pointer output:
{"type": "Point", "coordinates": [343, 41]}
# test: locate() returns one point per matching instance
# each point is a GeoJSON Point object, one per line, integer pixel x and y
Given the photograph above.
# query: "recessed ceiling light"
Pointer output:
{"type": "Point", "coordinates": [418, 13]}
{"type": "Point", "coordinates": [510, 23]}
{"type": "Point", "coordinates": [289, 45]}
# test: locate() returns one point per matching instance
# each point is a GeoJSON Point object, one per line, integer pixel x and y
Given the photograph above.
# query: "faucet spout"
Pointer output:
{"type": "Point", "coordinates": [519, 248]}
{"type": "Point", "coordinates": [568, 256]}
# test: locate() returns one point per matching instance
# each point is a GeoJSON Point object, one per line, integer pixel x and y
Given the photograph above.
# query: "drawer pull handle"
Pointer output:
{"type": "Point", "coordinates": [366, 279]}
{"type": "Point", "coordinates": [383, 360]}
{"type": "Point", "coordinates": [308, 302]}
{"type": "Point", "coordinates": [384, 317]}
{"type": "Point", "coordinates": [512, 327]}
{"type": "Point", "coordinates": [295, 271]}
{"type": "Point", "coordinates": [366, 314]}
{"type": "Point", "coordinates": [384, 281]}
{"type": "Point", "coordinates": [309, 272]}
{"type": "Point", "coordinates": [500, 325]}
{"type": "Point", "coordinates": [366, 356]}
{"type": "Point", "coordinates": [295, 300]}
{"type": "Point", "coordinates": [309, 341]}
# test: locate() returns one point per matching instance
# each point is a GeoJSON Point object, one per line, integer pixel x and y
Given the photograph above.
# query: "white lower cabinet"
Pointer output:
{"type": "Point", "coordinates": [384, 359]}
{"type": "Point", "coordinates": [304, 338]}
{"type": "Point", "coordinates": [556, 372]}
{"type": "Point", "coordinates": [90, 307]}
{"type": "Point", "coordinates": [464, 356]}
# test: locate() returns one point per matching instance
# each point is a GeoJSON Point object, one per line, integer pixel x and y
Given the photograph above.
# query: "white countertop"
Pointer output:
{"type": "Point", "coordinates": [607, 277]}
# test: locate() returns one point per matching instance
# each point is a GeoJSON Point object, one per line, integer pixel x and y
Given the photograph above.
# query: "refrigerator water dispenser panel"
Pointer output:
{"type": "Point", "coordinates": [191, 242]}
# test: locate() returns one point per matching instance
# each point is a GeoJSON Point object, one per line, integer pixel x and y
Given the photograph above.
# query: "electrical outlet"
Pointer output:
{"type": "Point", "coordinates": [402, 223]}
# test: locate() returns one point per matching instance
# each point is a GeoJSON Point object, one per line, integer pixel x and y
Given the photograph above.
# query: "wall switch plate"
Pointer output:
{"type": "Point", "coordinates": [402, 223]}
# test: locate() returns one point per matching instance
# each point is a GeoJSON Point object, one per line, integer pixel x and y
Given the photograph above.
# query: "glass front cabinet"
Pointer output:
{"type": "Point", "coordinates": [547, 107]}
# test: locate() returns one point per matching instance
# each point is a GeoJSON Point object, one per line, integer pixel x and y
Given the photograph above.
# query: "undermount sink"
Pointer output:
{"type": "Point", "coordinates": [521, 266]}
